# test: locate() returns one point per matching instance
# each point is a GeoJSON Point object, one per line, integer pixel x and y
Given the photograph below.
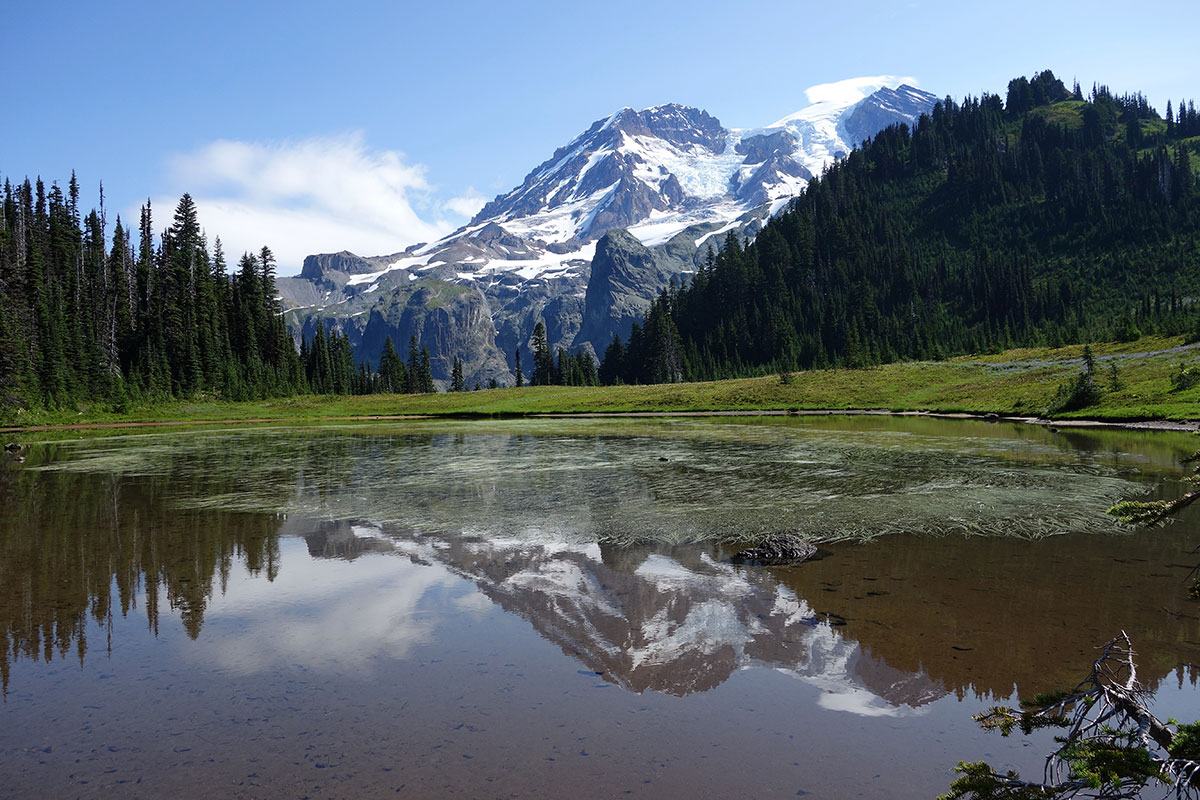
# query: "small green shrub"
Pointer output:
{"type": "Point", "coordinates": [1186, 377]}
{"type": "Point", "coordinates": [1079, 392]}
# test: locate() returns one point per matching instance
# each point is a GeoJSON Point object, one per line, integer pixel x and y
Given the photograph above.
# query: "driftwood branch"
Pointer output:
{"type": "Point", "coordinates": [1113, 746]}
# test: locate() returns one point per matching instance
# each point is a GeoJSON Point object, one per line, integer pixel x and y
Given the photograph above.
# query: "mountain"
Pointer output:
{"type": "Point", "coordinates": [672, 179]}
{"type": "Point", "coordinates": [1040, 218]}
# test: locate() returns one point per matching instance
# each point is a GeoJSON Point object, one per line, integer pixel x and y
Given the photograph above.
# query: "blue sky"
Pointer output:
{"type": "Point", "coordinates": [370, 126]}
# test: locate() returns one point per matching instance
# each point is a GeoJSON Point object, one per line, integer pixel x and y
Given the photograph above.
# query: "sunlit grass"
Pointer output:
{"type": "Point", "coordinates": [1018, 382]}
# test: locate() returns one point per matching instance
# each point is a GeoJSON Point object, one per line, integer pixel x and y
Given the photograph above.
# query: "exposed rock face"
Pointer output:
{"type": "Point", "coordinates": [555, 302]}
{"type": "Point", "coordinates": [626, 277]}
{"type": "Point", "coordinates": [631, 201]}
{"type": "Point", "coordinates": [778, 549]}
{"type": "Point", "coordinates": [682, 126]}
{"type": "Point", "coordinates": [886, 107]}
{"type": "Point", "coordinates": [758, 149]}
{"type": "Point", "coordinates": [316, 266]}
{"type": "Point", "coordinates": [777, 168]}
{"type": "Point", "coordinates": [450, 319]}
{"type": "Point", "coordinates": [607, 159]}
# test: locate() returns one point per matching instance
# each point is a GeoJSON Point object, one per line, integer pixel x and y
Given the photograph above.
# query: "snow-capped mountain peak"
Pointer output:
{"type": "Point", "coordinates": [657, 172]}
{"type": "Point", "coordinates": [618, 172]}
{"type": "Point", "coordinates": [672, 166]}
{"type": "Point", "coordinates": [829, 98]}
{"type": "Point", "coordinates": [671, 175]}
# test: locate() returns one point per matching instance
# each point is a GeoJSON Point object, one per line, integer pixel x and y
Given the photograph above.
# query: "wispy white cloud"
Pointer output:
{"type": "Point", "coordinates": [852, 90]}
{"type": "Point", "coordinates": [466, 205]}
{"type": "Point", "coordinates": [307, 196]}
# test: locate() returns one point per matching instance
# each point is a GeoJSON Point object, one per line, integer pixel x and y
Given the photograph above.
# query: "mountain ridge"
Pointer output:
{"type": "Point", "coordinates": [671, 175]}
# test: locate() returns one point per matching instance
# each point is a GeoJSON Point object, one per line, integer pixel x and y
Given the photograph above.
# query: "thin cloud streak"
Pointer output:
{"type": "Point", "coordinates": [466, 205]}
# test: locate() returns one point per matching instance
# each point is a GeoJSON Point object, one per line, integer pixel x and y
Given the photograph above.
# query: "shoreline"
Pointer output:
{"type": "Point", "coordinates": [1176, 426]}
{"type": "Point", "coordinates": [1163, 425]}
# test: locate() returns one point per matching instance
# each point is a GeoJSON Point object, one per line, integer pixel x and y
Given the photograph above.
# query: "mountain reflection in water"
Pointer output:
{"type": "Point", "coordinates": [903, 622]}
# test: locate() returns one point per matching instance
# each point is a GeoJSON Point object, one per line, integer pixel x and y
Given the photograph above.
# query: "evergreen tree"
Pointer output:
{"type": "Point", "coordinates": [392, 374]}
{"type": "Point", "coordinates": [426, 373]}
{"type": "Point", "coordinates": [612, 367]}
{"type": "Point", "coordinates": [416, 379]}
{"type": "Point", "coordinates": [543, 361]}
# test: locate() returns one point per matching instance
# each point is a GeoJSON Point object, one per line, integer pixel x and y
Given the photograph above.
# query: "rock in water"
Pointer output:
{"type": "Point", "coordinates": [776, 549]}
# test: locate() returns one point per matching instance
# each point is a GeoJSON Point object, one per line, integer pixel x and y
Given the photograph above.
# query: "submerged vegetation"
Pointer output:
{"type": "Point", "coordinates": [627, 481]}
{"type": "Point", "coordinates": [1149, 512]}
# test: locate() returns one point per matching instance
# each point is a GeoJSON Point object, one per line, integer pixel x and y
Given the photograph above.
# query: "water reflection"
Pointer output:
{"type": "Point", "coordinates": [678, 620]}
{"type": "Point", "coordinates": [616, 557]}
{"type": "Point", "coordinates": [79, 547]}
{"type": "Point", "coordinates": [330, 617]}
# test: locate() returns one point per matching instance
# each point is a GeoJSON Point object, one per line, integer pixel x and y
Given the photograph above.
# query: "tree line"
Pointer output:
{"type": "Point", "coordinates": [564, 369]}
{"type": "Point", "coordinates": [1044, 219]}
{"type": "Point", "coordinates": [1041, 218]}
{"type": "Point", "coordinates": [135, 317]}
{"type": "Point", "coordinates": [143, 317]}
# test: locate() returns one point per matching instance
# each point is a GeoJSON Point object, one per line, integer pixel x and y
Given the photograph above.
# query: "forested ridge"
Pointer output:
{"type": "Point", "coordinates": [1038, 218]}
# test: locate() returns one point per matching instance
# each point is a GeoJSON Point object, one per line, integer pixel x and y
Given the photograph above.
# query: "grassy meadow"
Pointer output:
{"type": "Point", "coordinates": [1016, 382]}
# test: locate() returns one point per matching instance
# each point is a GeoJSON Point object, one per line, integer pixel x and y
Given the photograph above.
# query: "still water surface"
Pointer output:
{"type": "Point", "coordinates": [546, 608]}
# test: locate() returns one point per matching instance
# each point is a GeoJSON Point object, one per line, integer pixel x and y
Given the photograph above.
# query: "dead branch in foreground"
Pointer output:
{"type": "Point", "coordinates": [1112, 746]}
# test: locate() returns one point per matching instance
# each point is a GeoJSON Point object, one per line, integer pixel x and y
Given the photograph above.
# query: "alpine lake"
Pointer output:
{"type": "Point", "coordinates": [547, 608]}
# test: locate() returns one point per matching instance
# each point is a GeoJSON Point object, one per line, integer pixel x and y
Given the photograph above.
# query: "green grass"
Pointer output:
{"type": "Point", "coordinates": [1068, 114]}
{"type": "Point", "coordinates": [1013, 382]}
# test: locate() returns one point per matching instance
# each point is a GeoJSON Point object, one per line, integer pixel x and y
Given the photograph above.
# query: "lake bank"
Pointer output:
{"type": "Point", "coordinates": [1135, 379]}
{"type": "Point", "coordinates": [1174, 426]}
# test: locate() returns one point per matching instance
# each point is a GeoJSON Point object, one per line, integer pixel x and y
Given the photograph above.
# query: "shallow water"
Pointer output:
{"type": "Point", "coordinates": [533, 609]}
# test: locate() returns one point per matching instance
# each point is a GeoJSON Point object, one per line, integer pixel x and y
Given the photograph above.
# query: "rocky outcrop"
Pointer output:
{"type": "Point", "coordinates": [450, 319]}
{"type": "Point", "coordinates": [777, 549]}
{"type": "Point", "coordinates": [632, 201]}
{"type": "Point", "coordinates": [777, 169]}
{"type": "Point", "coordinates": [680, 125]}
{"type": "Point", "coordinates": [319, 267]}
{"type": "Point", "coordinates": [626, 276]}
{"type": "Point", "coordinates": [758, 149]}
